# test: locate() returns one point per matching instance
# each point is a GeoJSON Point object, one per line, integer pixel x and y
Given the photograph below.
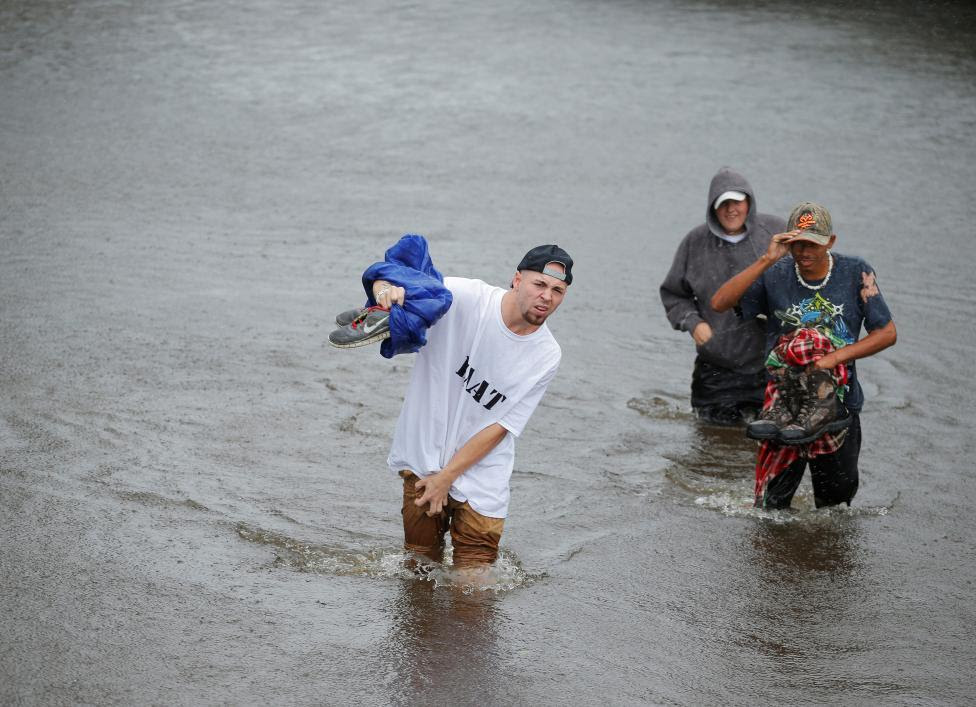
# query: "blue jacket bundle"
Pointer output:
{"type": "Point", "coordinates": [407, 264]}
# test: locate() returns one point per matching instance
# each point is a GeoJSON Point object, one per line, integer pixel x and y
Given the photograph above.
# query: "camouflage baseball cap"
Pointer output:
{"type": "Point", "coordinates": [813, 222]}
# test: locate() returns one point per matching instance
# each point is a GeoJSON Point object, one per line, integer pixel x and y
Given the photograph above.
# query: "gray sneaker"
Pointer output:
{"type": "Point", "coordinates": [345, 318]}
{"type": "Point", "coordinates": [368, 326]}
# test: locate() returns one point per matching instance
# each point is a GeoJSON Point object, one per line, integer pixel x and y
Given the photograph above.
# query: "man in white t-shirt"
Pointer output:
{"type": "Point", "coordinates": [474, 386]}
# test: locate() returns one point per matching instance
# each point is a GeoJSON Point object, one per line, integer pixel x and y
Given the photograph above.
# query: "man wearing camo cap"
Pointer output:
{"type": "Point", "coordinates": [799, 282]}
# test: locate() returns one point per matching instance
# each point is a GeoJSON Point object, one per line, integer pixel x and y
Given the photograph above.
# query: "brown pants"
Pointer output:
{"type": "Point", "coordinates": [475, 537]}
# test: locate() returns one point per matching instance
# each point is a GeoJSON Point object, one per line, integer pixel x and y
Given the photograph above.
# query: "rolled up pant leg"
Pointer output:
{"type": "Point", "coordinates": [422, 534]}
{"type": "Point", "coordinates": [474, 537]}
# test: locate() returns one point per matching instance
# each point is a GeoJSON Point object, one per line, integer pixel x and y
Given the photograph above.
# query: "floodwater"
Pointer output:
{"type": "Point", "coordinates": [194, 505]}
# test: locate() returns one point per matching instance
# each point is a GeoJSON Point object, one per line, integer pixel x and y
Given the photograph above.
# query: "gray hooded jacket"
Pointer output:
{"type": "Point", "coordinates": [703, 263]}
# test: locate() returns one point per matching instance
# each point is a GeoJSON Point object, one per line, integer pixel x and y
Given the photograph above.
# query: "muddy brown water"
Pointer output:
{"type": "Point", "coordinates": [194, 506]}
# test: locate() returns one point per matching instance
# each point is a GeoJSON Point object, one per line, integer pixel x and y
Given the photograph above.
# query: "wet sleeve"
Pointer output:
{"type": "Point", "coordinates": [876, 313]}
{"type": "Point", "coordinates": [517, 418]}
{"type": "Point", "coordinates": [753, 302]}
{"type": "Point", "coordinates": [678, 299]}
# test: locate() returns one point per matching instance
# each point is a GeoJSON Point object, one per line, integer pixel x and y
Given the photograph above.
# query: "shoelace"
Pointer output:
{"type": "Point", "coordinates": [361, 317]}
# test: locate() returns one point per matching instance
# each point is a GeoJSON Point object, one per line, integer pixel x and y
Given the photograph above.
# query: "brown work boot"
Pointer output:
{"type": "Point", "coordinates": [820, 410]}
{"type": "Point", "coordinates": [770, 421]}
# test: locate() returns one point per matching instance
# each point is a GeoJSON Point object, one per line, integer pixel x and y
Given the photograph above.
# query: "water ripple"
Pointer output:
{"type": "Point", "coordinates": [505, 574]}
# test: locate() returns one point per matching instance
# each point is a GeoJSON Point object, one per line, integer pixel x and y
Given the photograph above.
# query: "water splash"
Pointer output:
{"type": "Point", "coordinates": [803, 510]}
{"type": "Point", "coordinates": [505, 574]}
{"type": "Point", "coordinates": [658, 408]}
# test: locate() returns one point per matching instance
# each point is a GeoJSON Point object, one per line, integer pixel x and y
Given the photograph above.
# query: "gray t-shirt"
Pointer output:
{"type": "Point", "coordinates": [850, 299]}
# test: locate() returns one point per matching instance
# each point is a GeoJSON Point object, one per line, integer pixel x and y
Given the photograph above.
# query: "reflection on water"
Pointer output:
{"type": "Point", "coordinates": [805, 578]}
{"type": "Point", "coordinates": [806, 587]}
{"type": "Point", "coordinates": [440, 642]}
{"type": "Point", "coordinates": [789, 552]}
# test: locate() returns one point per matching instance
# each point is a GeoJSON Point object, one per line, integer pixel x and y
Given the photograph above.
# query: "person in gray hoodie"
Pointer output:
{"type": "Point", "coordinates": [729, 376]}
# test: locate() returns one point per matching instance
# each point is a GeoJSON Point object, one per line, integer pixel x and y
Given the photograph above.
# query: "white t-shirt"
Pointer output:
{"type": "Point", "coordinates": [474, 371]}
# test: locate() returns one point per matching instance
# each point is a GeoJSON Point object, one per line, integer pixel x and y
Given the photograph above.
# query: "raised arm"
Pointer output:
{"type": "Point", "coordinates": [729, 294]}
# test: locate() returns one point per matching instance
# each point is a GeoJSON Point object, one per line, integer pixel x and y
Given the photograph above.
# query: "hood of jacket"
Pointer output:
{"type": "Point", "coordinates": [727, 179]}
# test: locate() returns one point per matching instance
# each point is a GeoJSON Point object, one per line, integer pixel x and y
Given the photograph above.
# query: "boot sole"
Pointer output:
{"type": "Point", "coordinates": [835, 426]}
{"type": "Point", "coordinates": [362, 342]}
{"type": "Point", "coordinates": [761, 436]}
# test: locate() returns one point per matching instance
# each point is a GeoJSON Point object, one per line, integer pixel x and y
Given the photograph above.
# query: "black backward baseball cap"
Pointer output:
{"type": "Point", "coordinates": [539, 257]}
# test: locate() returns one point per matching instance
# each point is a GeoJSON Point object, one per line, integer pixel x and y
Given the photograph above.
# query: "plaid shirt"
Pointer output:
{"type": "Point", "coordinates": [799, 348]}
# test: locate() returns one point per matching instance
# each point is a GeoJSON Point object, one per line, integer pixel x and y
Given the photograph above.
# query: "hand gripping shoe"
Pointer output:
{"type": "Point", "coordinates": [821, 411]}
{"type": "Point", "coordinates": [368, 326]}
{"type": "Point", "coordinates": [769, 422]}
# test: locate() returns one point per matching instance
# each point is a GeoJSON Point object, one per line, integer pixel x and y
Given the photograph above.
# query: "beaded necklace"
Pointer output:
{"type": "Point", "coordinates": [830, 268]}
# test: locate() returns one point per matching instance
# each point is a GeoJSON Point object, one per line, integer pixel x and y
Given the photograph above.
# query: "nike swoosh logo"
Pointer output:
{"type": "Point", "coordinates": [367, 329]}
